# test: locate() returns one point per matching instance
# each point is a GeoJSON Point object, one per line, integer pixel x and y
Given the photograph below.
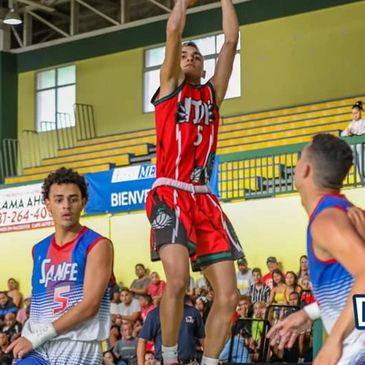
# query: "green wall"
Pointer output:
{"type": "Point", "coordinates": [294, 60]}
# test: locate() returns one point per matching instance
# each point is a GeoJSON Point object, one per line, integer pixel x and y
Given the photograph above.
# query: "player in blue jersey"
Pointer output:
{"type": "Point", "coordinates": [336, 254]}
{"type": "Point", "coordinates": [70, 312]}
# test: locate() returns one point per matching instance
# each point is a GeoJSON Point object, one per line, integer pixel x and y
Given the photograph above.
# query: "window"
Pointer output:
{"type": "Point", "coordinates": [209, 47]}
{"type": "Point", "coordinates": [56, 96]}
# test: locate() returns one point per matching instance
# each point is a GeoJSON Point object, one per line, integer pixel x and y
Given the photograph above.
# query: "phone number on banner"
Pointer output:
{"type": "Point", "coordinates": [15, 220]}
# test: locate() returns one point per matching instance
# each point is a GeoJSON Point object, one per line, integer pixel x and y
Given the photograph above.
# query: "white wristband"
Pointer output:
{"type": "Point", "coordinates": [313, 311]}
{"type": "Point", "coordinates": [41, 335]}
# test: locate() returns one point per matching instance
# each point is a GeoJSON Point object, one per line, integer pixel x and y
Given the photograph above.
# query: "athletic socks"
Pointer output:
{"type": "Point", "coordinates": [169, 354]}
{"type": "Point", "coordinates": [209, 361]}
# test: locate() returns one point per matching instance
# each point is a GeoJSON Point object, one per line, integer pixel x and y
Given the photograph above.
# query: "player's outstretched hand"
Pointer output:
{"type": "Point", "coordinates": [284, 333]}
{"type": "Point", "coordinates": [20, 347]}
{"type": "Point", "coordinates": [357, 218]}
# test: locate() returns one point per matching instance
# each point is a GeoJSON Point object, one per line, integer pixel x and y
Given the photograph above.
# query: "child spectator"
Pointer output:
{"type": "Point", "coordinates": [258, 291]}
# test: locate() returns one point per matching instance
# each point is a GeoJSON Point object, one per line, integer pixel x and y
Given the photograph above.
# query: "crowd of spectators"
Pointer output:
{"type": "Point", "coordinates": [135, 334]}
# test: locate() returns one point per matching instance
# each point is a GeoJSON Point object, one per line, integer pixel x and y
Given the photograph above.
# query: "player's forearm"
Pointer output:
{"type": "Point", "coordinates": [77, 315]}
{"type": "Point", "coordinates": [177, 18]}
{"type": "Point", "coordinates": [141, 350]}
{"type": "Point", "coordinates": [345, 323]}
{"type": "Point", "coordinates": [230, 23]}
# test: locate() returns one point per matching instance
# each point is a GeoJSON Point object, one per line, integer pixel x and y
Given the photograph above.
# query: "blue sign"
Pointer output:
{"type": "Point", "coordinates": [126, 188]}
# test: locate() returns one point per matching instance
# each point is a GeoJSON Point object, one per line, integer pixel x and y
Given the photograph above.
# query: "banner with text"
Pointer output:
{"type": "Point", "coordinates": [125, 188]}
{"type": "Point", "coordinates": [22, 208]}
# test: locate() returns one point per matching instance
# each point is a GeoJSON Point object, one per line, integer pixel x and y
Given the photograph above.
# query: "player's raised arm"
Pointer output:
{"type": "Point", "coordinates": [171, 74]}
{"type": "Point", "coordinates": [335, 236]}
{"type": "Point", "coordinates": [226, 56]}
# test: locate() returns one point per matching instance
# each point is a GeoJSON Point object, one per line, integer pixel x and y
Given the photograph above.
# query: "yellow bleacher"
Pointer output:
{"type": "Point", "coordinates": [239, 133]}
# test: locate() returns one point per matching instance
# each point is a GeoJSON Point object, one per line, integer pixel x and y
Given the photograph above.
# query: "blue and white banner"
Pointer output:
{"type": "Point", "coordinates": [126, 188]}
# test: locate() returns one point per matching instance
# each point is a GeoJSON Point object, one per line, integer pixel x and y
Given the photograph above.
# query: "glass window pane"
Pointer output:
{"type": "Point", "coordinates": [66, 75]}
{"type": "Point", "coordinates": [46, 110]}
{"type": "Point", "coordinates": [65, 106]}
{"type": "Point", "coordinates": [151, 84]}
{"type": "Point", "coordinates": [209, 66]}
{"type": "Point", "coordinates": [206, 45]}
{"type": "Point", "coordinates": [234, 85]}
{"type": "Point", "coordinates": [46, 79]}
{"type": "Point", "coordinates": [154, 57]}
{"type": "Point", "coordinates": [220, 40]}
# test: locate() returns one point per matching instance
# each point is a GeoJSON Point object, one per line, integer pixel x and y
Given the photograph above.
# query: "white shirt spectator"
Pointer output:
{"type": "Point", "coordinates": [356, 127]}
{"type": "Point", "coordinates": [125, 310]}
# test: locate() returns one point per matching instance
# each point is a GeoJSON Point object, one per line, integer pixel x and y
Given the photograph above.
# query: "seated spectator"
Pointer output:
{"type": "Point", "coordinates": [191, 332]}
{"type": "Point", "coordinates": [258, 291]}
{"type": "Point", "coordinates": [156, 288]}
{"type": "Point", "coordinates": [242, 309]}
{"type": "Point", "coordinates": [13, 292]}
{"type": "Point", "coordinates": [115, 301]}
{"type": "Point", "coordinates": [201, 285]}
{"type": "Point", "coordinates": [303, 269]}
{"type": "Point", "coordinates": [114, 336]}
{"type": "Point", "coordinates": [203, 305]}
{"type": "Point", "coordinates": [277, 294]}
{"type": "Point", "coordinates": [240, 353]}
{"type": "Point", "coordinates": [11, 327]}
{"type": "Point", "coordinates": [306, 296]}
{"type": "Point", "coordinates": [258, 327]}
{"type": "Point", "coordinates": [129, 309]}
{"type": "Point", "coordinates": [6, 306]}
{"type": "Point", "coordinates": [139, 285]}
{"type": "Point", "coordinates": [149, 358]}
{"type": "Point", "coordinates": [23, 313]}
{"type": "Point", "coordinates": [291, 284]}
{"type": "Point", "coordinates": [243, 276]}
{"type": "Point", "coordinates": [109, 358]}
{"type": "Point", "coordinates": [126, 348]}
{"type": "Point", "coordinates": [145, 301]}
{"type": "Point", "coordinates": [4, 343]}
{"type": "Point", "coordinates": [272, 264]}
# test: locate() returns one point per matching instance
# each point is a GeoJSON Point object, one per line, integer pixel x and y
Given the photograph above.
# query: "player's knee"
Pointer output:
{"type": "Point", "coordinates": [228, 301]}
{"type": "Point", "coordinates": [176, 287]}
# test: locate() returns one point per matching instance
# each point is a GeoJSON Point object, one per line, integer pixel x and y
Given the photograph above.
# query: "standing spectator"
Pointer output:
{"type": "Point", "coordinates": [126, 348]}
{"type": "Point", "coordinates": [191, 331]}
{"type": "Point", "coordinates": [6, 306]}
{"type": "Point", "coordinates": [139, 285]}
{"type": "Point", "coordinates": [244, 276]}
{"type": "Point", "coordinates": [11, 327]}
{"type": "Point", "coordinates": [201, 285]}
{"type": "Point", "coordinates": [306, 296]}
{"type": "Point", "coordinates": [145, 301]}
{"type": "Point", "coordinates": [202, 305]}
{"type": "Point", "coordinates": [14, 293]}
{"type": "Point", "coordinates": [303, 268]}
{"type": "Point", "coordinates": [156, 288]}
{"type": "Point", "coordinates": [357, 126]}
{"type": "Point", "coordinates": [23, 313]}
{"type": "Point", "coordinates": [258, 291]}
{"type": "Point", "coordinates": [129, 309]}
{"type": "Point", "coordinates": [257, 328]}
{"type": "Point", "coordinates": [272, 264]}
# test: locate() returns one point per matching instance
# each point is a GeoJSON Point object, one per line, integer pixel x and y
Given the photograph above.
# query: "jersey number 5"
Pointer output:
{"type": "Point", "coordinates": [60, 299]}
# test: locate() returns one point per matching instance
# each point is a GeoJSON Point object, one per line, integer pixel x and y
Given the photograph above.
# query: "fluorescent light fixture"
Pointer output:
{"type": "Point", "coordinates": [12, 18]}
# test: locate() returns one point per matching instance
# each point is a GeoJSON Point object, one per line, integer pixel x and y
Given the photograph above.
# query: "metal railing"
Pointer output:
{"type": "Point", "coordinates": [268, 172]}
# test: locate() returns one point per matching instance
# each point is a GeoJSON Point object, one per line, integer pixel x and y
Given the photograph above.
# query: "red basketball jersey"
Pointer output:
{"type": "Point", "coordinates": [186, 127]}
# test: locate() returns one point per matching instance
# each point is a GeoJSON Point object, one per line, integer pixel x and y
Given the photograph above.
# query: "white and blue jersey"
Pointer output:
{"type": "Point", "coordinates": [58, 281]}
{"type": "Point", "coordinates": [331, 282]}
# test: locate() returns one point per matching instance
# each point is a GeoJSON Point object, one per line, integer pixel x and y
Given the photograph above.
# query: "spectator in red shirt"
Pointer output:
{"type": "Point", "coordinates": [156, 288]}
{"type": "Point", "coordinates": [145, 301]}
{"type": "Point", "coordinates": [272, 264]}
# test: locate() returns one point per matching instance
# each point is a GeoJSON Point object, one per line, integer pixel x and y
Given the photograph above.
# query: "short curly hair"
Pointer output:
{"type": "Point", "coordinates": [64, 176]}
